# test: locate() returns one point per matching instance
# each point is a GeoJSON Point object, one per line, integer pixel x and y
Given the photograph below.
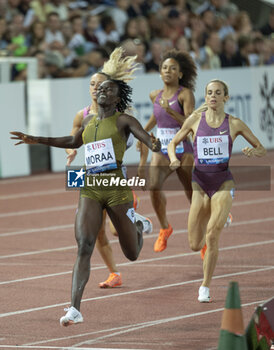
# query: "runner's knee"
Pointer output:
{"type": "Point", "coordinates": [131, 255]}
{"type": "Point", "coordinates": [85, 246]}
{"type": "Point", "coordinates": [212, 239]}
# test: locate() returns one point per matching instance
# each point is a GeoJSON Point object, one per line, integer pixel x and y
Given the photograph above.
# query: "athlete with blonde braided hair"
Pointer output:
{"type": "Point", "coordinates": [122, 68]}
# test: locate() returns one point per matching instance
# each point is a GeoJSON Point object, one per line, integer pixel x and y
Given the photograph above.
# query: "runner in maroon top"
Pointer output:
{"type": "Point", "coordinates": [214, 131]}
{"type": "Point", "coordinates": [172, 106]}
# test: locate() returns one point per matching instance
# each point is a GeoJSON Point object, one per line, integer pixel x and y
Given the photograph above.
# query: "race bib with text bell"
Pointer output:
{"type": "Point", "coordinates": [213, 149]}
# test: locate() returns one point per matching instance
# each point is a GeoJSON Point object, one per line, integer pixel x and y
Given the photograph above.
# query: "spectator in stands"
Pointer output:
{"type": "Point", "coordinates": [131, 49]}
{"type": "Point", "coordinates": [92, 24]}
{"type": "Point", "coordinates": [95, 59]}
{"type": "Point", "coordinates": [119, 15]}
{"type": "Point", "coordinates": [12, 9]}
{"type": "Point", "coordinates": [3, 8]}
{"type": "Point", "coordinates": [28, 13]}
{"type": "Point", "coordinates": [18, 46]}
{"type": "Point", "coordinates": [218, 7]}
{"type": "Point", "coordinates": [3, 32]}
{"type": "Point", "coordinates": [174, 27]}
{"type": "Point", "coordinates": [229, 49]}
{"type": "Point", "coordinates": [256, 58]}
{"type": "Point", "coordinates": [198, 32]}
{"type": "Point", "coordinates": [228, 24]}
{"type": "Point", "coordinates": [131, 30]}
{"type": "Point", "coordinates": [209, 19]}
{"type": "Point", "coordinates": [18, 42]}
{"type": "Point", "coordinates": [209, 54]}
{"type": "Point", "coordinates": [182, 44]}
{"type": "Point", "coordinates": [78, 41]}
{"type": "Point", "coordinates": [108, 31]}
{"type": "Point", "coordinates": [144, 33]}
{"type": "Point", "coordinates": [138, 8]}
{"type": "Point", "coordinates": [244, 49]}
{"type": "Point", "coordinates": [156, 49]}
{"type": "Point", "coordinates": [54, 36]}
{"type": "Point", "coordinates": [268, 28]}
{"type": "Point", "coordinates": [55, 67]}
{"type": "Point", "coordinates": [37, 38]}
{"type": "Point", "coordinates": [58, 6]}
{"type": "Point", "coordinates": [242, 24]}
{"type": "Point", "coordinates": [268, 54]}
{"type": "Point", "coordinates": [141, 55]}
{"type": "Point", "coordinates": [39, 8]}
{"type": "Point", "coordinates": [66, 29]}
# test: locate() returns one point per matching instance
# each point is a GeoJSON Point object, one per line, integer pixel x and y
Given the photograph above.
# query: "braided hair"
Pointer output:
{"type": "Point", "coordinates": [125, 92]}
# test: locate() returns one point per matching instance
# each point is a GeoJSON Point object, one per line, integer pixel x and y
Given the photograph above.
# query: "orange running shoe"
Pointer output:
{"type": "Point", "coordinates": [113, 280]}
{"type": "Point", "coordinates": [203, 251]}
{"type": "Point", "coordinates": [136, 200]}
{"type": "Point", "coordinates": [161, 242]}
{"type": "Point", "coordinates": [228, 220]}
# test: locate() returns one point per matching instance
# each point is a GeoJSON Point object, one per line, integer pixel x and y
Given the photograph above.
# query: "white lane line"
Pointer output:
{"type": "Point", "coordinates": [38, 229]}
{"type": "Point", "coordinates": [32, 178]}
{"type": "Point", "coordinates": [134, 328]}
{"type": "Point", "coordinates": [18, 312]}
{"type": "Point", "coordinates": [32, 194]}
{"type": "Point", "coordinates": [129, 328]}
{"type": "Point", "coordinates": [175, 232]}
{"type": "Point", "coordinates": [152, 214]}
{"type": "Point", "coordinates": [246, 245]}
{"type": "Point", "coordinates": [39, 211]}
{"type": "Point", "coordinates": [57, 208]}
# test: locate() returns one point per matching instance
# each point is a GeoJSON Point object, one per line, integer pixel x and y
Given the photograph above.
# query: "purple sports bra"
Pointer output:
{"type": "Point", "coordinates": [167, 127]}
{"type": "Point", "coordinates": [212, 146]}
{"type": "Point", "coordinates": [164, 120]}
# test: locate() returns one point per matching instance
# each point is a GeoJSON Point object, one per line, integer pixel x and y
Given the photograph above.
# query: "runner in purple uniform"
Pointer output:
{"type": "Point", "coordinates": [214, 132]}
{"type": "Point", "coordinates": [172, 106]}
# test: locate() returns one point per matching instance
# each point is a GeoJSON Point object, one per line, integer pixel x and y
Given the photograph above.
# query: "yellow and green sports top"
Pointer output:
{"type": "Point", "coordinates": [104, 145]}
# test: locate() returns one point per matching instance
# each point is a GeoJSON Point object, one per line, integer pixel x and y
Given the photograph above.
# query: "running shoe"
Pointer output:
{"type": "Point", "coordinates": [147, 223]}
{"type": "Point", "coordinates": [136, 200]}
{"type": "Point", "coordinates": [161, 242]}
{"type": "Point", "coordinates": [72, 316]}
{"type": "Point", "coordinates": [114, 280]}
{"type": "Point", "coordinates": [228, 220]}
{"type": "Point", "coordinates": [204, 295]}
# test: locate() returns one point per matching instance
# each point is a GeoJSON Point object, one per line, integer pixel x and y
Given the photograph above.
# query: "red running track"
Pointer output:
{"type": "Point", "coordinates": [156, 307]}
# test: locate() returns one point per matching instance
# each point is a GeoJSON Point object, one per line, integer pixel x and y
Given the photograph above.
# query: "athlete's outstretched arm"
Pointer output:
{"type": "Point", "coordinates": [77, 122]}
{"type": "Point", "coordinates": [181, 135]}
{"type": "Point", "coordinates": [258, 149]}
{"type": "Point", "coordinates": [128, 122]}
{"type": "Point", "coordinates": [61, 142]}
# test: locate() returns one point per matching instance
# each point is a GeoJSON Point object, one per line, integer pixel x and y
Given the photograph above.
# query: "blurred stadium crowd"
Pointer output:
{"type": "Point", "coordinates": [74, 38]}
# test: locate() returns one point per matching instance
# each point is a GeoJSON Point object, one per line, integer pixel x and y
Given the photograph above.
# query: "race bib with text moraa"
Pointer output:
{"type": "Point", "coordinates": [213, 149]}
{"type": "Point", "coordinates": [100, 156]}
